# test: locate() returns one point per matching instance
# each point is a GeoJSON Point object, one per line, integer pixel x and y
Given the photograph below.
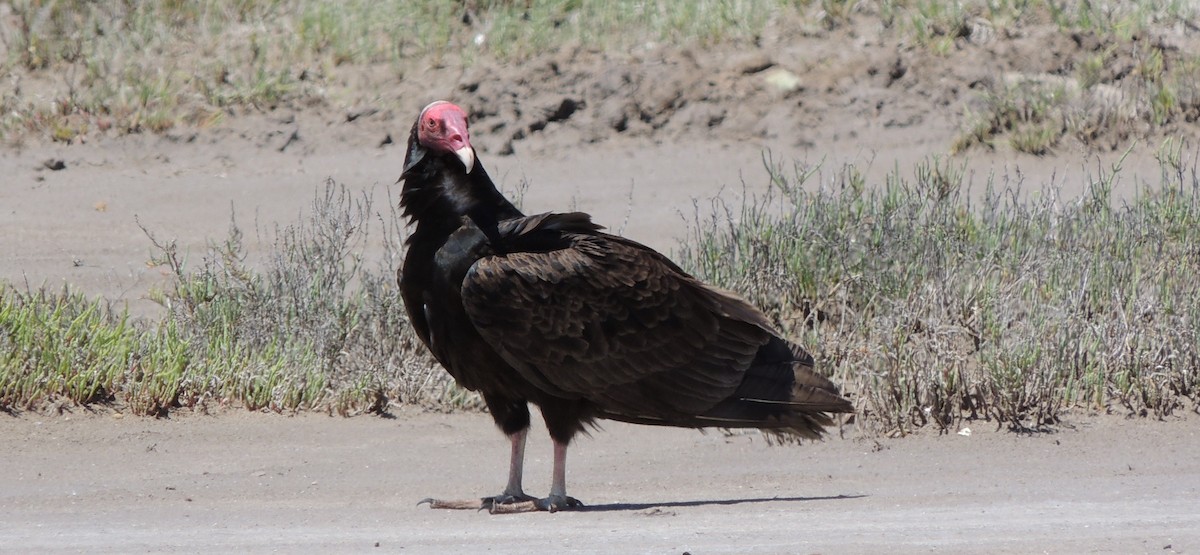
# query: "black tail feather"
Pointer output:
{"type": "Point", "coordinates": [779, 393]}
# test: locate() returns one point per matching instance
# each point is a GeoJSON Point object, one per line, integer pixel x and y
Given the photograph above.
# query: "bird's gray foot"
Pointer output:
{"type": "Point", "coordinates": [555, 503]}
{"type": "Point", "coordinates": [552, 504]}
{"type": "Point", "coordinates": [489, 503]}
{"type": "Point", "coordinates": [504, 500]}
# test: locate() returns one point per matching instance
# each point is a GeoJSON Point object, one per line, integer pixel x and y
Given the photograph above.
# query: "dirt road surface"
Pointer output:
{"type": "Point", "coordinates": [253, 483]}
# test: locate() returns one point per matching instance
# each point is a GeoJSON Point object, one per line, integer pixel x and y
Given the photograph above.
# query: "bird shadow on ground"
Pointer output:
{"type": "Point", "coordinates": [705, 502]}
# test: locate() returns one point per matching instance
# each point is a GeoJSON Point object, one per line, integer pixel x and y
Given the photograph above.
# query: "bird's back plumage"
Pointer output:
{"type": "Point", "coordinates": [599, 319]}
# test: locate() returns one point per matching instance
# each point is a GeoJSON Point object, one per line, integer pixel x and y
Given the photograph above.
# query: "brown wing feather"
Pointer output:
{"type": "Point", "coordinates": [588, 315]}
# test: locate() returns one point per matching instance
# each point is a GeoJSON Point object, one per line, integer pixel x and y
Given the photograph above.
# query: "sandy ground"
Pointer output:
{"type": "Point", "coordinates": [251, 483]}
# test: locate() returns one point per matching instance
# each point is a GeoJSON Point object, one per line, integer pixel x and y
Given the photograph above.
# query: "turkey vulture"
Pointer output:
{"type": "Point", "coordinates": [549, 310]}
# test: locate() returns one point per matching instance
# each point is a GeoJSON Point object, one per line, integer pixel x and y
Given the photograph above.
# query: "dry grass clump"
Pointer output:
{"type": "Point", "coordinates": [317, 325]}
{"type": "Point", "coordinates": [932, 306]}
{"type": "Point", "coordinates": [313, 327]}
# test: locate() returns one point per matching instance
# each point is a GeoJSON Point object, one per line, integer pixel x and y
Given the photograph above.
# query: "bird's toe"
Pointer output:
{"type": "Point", "coordinates": [491, 503]}
{"type": "Point", "coordinates": [555, 503]}
{"type": "Point", "coordinates": [459, 504]}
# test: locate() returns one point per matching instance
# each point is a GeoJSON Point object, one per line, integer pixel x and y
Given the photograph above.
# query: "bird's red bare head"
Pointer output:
{"type": "Point", "coordinates": [442, 127]}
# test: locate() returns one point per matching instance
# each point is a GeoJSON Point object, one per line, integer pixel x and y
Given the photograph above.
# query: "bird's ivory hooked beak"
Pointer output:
{"type": "Point", "coordinates": [467, 155]}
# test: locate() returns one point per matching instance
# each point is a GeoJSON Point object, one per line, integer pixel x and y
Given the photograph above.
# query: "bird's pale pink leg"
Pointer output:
{"type": "Point", "coordinates": [558, 483]}
{"type": "Point", "coordinates": [513, 494]}
{"type": "Point", "coordinates": [516, 468]}
{"type": "Point", "coordinates": [558, 498]}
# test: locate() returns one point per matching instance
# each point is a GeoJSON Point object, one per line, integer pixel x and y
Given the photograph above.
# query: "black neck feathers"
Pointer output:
{"type": "Point", "coordinates": [438, 192]}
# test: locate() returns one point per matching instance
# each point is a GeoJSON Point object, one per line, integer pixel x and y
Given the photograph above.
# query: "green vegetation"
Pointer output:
{"type": "Point", "coordinates": [933, 303]}
{"type": "Point", "coordinates": [314, 328]}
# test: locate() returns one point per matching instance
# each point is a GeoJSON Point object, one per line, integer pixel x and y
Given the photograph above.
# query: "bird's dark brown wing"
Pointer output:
{"type": "Point", "coordinates": [583, 314]}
